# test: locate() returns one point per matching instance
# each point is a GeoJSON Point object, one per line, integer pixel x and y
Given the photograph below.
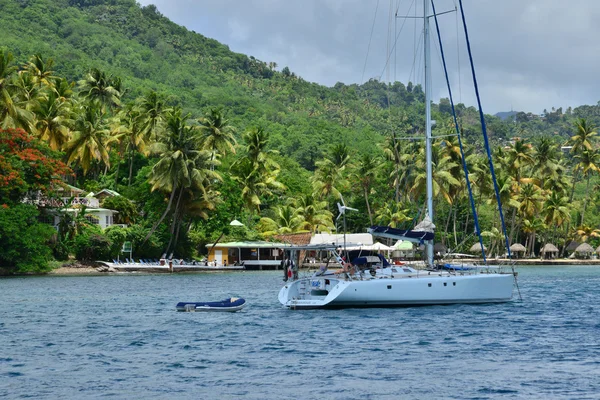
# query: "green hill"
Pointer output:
{"type": "Point", "coordinates": [321, 140]}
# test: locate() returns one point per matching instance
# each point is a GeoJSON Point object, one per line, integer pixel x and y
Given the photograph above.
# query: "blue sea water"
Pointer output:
{"type": "Point", "coordinates": [119, 336]}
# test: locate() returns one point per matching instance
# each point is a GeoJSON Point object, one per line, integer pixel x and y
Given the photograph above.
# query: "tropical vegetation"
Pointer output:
{"type": "Point", "coordinates": [105, 94]}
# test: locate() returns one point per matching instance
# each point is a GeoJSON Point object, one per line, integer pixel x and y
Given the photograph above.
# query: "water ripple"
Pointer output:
{"type": "Point", "coordinates": [125, 340]}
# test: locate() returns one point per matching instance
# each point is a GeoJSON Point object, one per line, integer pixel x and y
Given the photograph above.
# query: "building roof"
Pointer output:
{"type": "Point", "coordinates": [107, 192]}
{"type": "Point", "coordinates": [90, 210]}
{"type": "Point", "coordinates": [338, 239]}
{"type": "Point", "coordinates": [297, 239]}
{"type": "Point", "coordinates": [250, 245]}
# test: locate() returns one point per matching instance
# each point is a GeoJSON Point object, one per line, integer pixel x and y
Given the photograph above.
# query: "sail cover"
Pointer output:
{"type": "Point", "coordinates": [403, 234]}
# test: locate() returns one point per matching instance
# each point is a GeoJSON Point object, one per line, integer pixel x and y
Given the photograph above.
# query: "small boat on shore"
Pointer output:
{"type": "Point", "coordinates": [231, 304]}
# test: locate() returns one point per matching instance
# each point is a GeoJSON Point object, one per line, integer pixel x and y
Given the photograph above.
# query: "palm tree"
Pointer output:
{"type": "Point", "coordinates": [531, 226]}
{"type": "Point", "coordinates": [443, 179]}
{"type": "Point", "coordinates": [181, 165]}
{"type": "Point", "coordinates": [366, 173]}
{"type": "Point", "coordinates": [580, 141]}
{"type": "Point", "coordinates": [256, 170]}
{"type": "Point", "coordinates": [285, 220]}
{"type": "Point", "coordinates": [217, 133]}
{"type": "Point", "coordinates": [589, 163]}
{"type": "Point", "coordinates": [556, 211]}
{"type": "Point", "coordinates": [392, 214]}
{"type": "Point", "coordinates": [530, 200]}
{"type": "Point", "coordinates": [584, 232]}
{"type": "Point", "coordinates": [392, 152]}
{"type": "Point", "coordinates": [13, 111]}
{"type": "Point", "coordinates": [90, 138]}
{"type": "Point", "coordinates": [315, 217]}
{"type": "Point", "coordinates": [53, 119]}
{"type": "Point", "coordinates": [520, 156]}
{"type": "Point", "coordinates": [132, 133]}
{"type": "Point", "coordinates": [545, 158]}
{"type": "Point", "coordinates": [41, 70]}
{"type": "Point", "coordinates": [153, 113]}
{"type": "Point", "coordinates": [584, 134]}
{"type": "Point", "coordinates": [99, 88]}
{"type": "Point", "coordinates": [340, 155]}
{"type": "Point", "coordinates": [325, 179]}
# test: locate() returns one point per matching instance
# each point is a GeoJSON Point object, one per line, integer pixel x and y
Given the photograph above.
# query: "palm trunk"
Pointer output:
{"type": "Point", "coordinates": [130, 169]}
{"type": "Point", "coordinates": [587, 192]}
{"type": "Point", "coordinates": [454, 228]}
{"type": "Point", "coordinates": [368, 206]}
{"type": "Point", "coordinates": [575, 176]}
{"type": "Point", "coordinates": [447, 223]}
{"type": "Point", "coordinates": [161, 218]}
{"type": "Point", "coordinates": [175, 218]}
{"type": "Point", "coordinates": [512, 225]}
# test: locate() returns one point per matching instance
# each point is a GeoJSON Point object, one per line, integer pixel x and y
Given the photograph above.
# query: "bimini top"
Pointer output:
{"type": "Point", "coordinates": [404, 234]}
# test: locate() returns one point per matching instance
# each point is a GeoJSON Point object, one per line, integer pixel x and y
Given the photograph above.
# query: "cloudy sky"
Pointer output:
{"type": "Point", "coordinates": [530, 55]}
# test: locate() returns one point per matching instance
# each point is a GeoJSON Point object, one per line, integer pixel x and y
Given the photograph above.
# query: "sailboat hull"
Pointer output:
{"type": "Point", "coordinates": [396, 292]}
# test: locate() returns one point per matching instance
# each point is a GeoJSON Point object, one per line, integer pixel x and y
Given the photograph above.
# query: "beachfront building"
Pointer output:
{"type": "Point", "coordinates": [253, 255]}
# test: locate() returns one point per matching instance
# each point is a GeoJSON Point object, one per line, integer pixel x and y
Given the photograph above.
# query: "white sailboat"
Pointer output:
{"type": "Point", "coordinates": [401, 286]}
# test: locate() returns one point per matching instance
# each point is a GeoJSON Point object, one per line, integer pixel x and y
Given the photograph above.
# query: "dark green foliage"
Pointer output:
{"type": "Point", "coordinates": [152, 248]}
{"type": "Point", "coordinates": [126, 208]}
{"type": "Point", "coordinates": [23, 240]}
{"type": "Point", "coordinates": [91, 244]}
{"type": "Point", "coordinates": [117, 236]}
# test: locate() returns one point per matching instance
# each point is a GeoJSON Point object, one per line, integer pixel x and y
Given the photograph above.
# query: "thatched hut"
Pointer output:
{"type": "Point", "coordinates": [598, 250]}
{"type": "Point", "coordinates": [518, 249]}
{"type": "Point", "coordinates": [584, 250]}
{"type": "Point", "coordinates": [549, 251]}
{"type": "Point", "coordinates": [476, 248]}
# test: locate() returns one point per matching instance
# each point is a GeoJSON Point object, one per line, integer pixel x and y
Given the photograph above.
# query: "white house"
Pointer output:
{"type": "Point", "coordinates": [73, 201]}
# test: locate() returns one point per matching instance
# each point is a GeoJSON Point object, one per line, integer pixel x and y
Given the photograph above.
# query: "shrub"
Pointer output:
{"type": "Point", "coordinates": [24, 240]}
{"type": "Point", "coordinates": [91, 244]}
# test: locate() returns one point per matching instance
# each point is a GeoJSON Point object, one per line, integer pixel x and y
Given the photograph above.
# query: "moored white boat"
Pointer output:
{"type": "Point", "coordinates": [356, 287]}
{"type": "Point", "coordinates": [423, 288]}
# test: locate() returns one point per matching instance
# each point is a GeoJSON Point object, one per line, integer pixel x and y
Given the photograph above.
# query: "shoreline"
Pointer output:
{"type": "Point", "coordinates": [89, 270]}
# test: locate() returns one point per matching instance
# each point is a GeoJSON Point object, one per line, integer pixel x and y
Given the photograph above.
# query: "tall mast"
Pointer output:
{"type": "Point", "coordinates": [428, 138]}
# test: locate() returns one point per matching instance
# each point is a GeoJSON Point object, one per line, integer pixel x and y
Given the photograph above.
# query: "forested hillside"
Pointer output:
{"type": "Point", "coordinates": [197, 135]}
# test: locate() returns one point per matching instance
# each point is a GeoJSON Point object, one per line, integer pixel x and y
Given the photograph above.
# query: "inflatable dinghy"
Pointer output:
{"type": "Point", "coordinates": [228, 305]}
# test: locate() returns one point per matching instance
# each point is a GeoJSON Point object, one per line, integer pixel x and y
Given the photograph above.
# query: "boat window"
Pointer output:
{"type": "Point", "coordinates": [445, 284]}
{"type": "Point", "coordinates": [389, 286]}
{"type": "Point", "coordinates": [453, 283]}
{"type": "Point", "coordinates": [406, 270]}
{"type": "Point", "coordinates": [429, 284]}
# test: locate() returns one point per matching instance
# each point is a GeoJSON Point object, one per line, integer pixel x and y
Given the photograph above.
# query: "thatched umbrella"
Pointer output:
{"type": "Point", "coordinates": [476, 248]}
{"type": "Point", "coordinates": [584, 249]}
{"type": "Point", "coordinates": [549, 248]}
{"type": "Point", "coordinates": [549, 251]}
{"type": "Point", "coordinates": [517, 248]}
{"type": "Point", "coordinates": [598, 250]}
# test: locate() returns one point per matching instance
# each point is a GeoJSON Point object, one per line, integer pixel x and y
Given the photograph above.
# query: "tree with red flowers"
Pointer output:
{"type": "Point", "coordinates": [28, 167]}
